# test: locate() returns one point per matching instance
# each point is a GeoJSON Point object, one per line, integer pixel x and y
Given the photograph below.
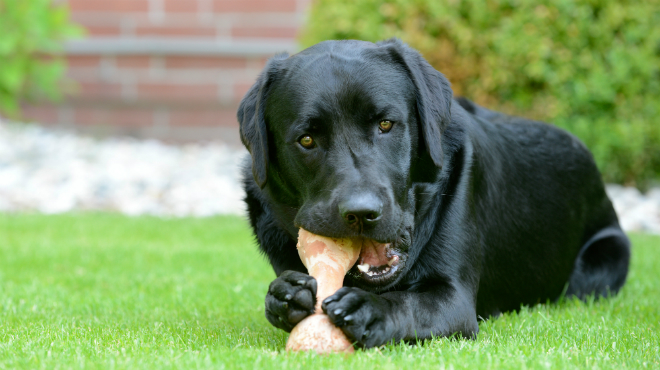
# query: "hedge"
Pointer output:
{"type": "Point", "coordinates": [589, 66]}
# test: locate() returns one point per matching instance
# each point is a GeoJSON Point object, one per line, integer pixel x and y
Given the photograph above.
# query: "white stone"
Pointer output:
{"type": "Point", "coordinates": [56, 171]}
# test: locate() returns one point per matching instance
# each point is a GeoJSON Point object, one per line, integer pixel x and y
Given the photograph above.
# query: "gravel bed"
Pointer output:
{"type": "Point", "coordinates": [53, 171]}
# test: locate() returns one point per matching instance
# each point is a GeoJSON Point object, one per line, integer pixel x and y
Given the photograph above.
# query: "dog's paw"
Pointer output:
{"type": "Point", "coordinates": [290, 298]}
{"type": "Point", "coordinates": [362, 316]}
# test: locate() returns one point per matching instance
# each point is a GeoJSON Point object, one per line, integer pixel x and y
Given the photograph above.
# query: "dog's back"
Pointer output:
{"type": "Point", "coordinates": [546, 179]}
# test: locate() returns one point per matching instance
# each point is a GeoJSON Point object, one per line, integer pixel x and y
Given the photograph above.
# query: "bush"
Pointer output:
{"type": "Point", "coordinates": [31, 32]}
{"type": "Point", "coordinates": [590, 66]}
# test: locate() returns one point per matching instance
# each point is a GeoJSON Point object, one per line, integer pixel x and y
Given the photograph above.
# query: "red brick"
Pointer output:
{"type": "Point", "coordinates": [175, 31]}
{"type": "Point", "coordinates": [40, 114]}
{"type": "Point", "coordinates": [262, 61]}
{"type": "Point", "coordinates": [132, 117]}
{"type": "Point", "coordinates": [97, 90]}
{"type": "Point", "coordinates": [181, 6]}
{"type": "Point", "coordinates": [265, 32]}
{"type": "Point", "coordinates": [132, 61]}
{"type": "Point", "coordinates": [178, 92]}
{"type": "Point", "coordinates": [253, 6]}
{"type": "Point", "coordinates": [121, 6]}
{"type": "Point", "coordinates": [90, 116]}
{"type": "Point", "coordinates": [83, 61]}
{"type": "Point", "coordinates": [114, 116]}
{"type": "Point", "coordinates": [204, 62]}
{"type": "Point", "coordinates": [258, 63]}
{"type": "Point", "coordinates": [240, 89]}
{"type": "Point", "coordinates": [86, 18]}
{"type": "Point", "coordinates": [80, 74]}
{"type": "Point", "coordinates": [111, 30]}
{"type": "Point", "coordinates": [205, 117]}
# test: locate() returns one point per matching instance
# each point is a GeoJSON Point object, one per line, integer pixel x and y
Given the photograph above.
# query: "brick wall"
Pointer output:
{"type": "Point", "coordinates": [168, 69]}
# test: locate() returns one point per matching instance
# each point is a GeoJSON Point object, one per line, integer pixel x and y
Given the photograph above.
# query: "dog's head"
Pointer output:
{"type": "Point", "coordinates": [339, 134]}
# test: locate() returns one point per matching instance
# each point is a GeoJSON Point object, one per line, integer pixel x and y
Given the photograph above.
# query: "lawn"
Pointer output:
{"type": "Point", "coordinates": [108, 291]}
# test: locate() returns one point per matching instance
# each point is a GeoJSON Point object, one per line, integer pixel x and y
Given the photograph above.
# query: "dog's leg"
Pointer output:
{"type": "Point", "coordinates": [372, 320]}
{"type": "Point", "coordinates": [292, 296]}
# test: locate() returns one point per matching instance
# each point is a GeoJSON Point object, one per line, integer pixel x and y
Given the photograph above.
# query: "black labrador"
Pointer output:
{"type": "Point", "coordinates": [465, 212]}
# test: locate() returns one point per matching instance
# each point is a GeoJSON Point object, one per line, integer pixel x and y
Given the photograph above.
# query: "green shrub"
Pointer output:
{"type": "Point", "coordinates": [590, 66]}
{"type": "Point", "coordinates": [31, 32]}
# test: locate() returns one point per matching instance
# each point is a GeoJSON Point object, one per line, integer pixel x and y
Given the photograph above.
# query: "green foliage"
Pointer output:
{"type": "Point", "coordinates": [95, 291]}
{"type": "Point", "coordinates": [31, 32]}
{"type": "Point", "coordinates": [590, 66]}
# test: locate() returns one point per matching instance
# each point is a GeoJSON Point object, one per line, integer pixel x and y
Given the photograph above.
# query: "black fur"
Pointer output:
{"type": "Point", "coordinates": [488, 212]}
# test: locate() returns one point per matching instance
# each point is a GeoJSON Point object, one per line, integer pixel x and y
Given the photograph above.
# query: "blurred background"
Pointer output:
{"type": "Point", "coordinates": [167, 69]}
{"type": "Point", "coordinates": [163, 78]}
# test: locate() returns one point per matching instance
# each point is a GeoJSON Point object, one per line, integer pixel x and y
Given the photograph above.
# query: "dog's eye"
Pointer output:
{"type": "Point", "coordinates": [385, 125]}
{"type": "Point", "coordinates": [307, 142]}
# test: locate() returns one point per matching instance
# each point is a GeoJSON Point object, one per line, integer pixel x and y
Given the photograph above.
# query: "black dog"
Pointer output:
{"type": "Point", "coordinates": [465, 212]}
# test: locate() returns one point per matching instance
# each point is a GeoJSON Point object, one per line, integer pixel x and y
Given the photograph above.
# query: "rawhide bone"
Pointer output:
{"type": "Point", "coordinates": [327, 260]}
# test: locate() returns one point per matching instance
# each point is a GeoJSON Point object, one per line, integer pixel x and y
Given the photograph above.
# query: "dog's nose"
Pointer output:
{"type": "Point", "coordinates": [361, 210]}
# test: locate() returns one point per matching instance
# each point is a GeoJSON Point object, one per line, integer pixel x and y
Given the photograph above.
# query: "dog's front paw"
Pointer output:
{"type": "Point", "coordinates": [290, 298]}
{"type": "Point", "coordinates": [362, 316]}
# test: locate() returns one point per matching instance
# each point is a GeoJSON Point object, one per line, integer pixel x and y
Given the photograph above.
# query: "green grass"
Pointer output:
{"type": "Point", "coordinates": [107, 291]}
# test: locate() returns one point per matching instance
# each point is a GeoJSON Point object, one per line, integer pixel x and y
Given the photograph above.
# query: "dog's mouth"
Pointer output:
{"type": "Point", "coordinates": [378, 264]}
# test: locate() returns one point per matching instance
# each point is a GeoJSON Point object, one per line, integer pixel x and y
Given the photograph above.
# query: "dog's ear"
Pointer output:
{"type": "Point", "coordinates": [254, 133]}
{"type": "Point", "coordinates": [434, 95]}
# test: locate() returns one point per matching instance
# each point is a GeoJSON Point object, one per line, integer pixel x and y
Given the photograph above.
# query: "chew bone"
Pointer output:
{"type": "Point", "coordinates": [327, 260]}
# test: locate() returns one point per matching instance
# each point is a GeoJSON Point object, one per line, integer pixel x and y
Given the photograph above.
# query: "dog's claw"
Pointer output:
{"type": "Point", "coordinates": [311, 284]}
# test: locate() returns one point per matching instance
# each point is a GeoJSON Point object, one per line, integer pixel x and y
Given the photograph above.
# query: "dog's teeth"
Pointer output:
{"type": "Point", "coordinates": [364, 268]}
{"type": "Point", "coordinates": [392, 260]}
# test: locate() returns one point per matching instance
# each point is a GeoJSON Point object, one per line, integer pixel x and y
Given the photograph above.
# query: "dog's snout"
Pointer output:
{"type": "Point", "coordinates": [361, 210]}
